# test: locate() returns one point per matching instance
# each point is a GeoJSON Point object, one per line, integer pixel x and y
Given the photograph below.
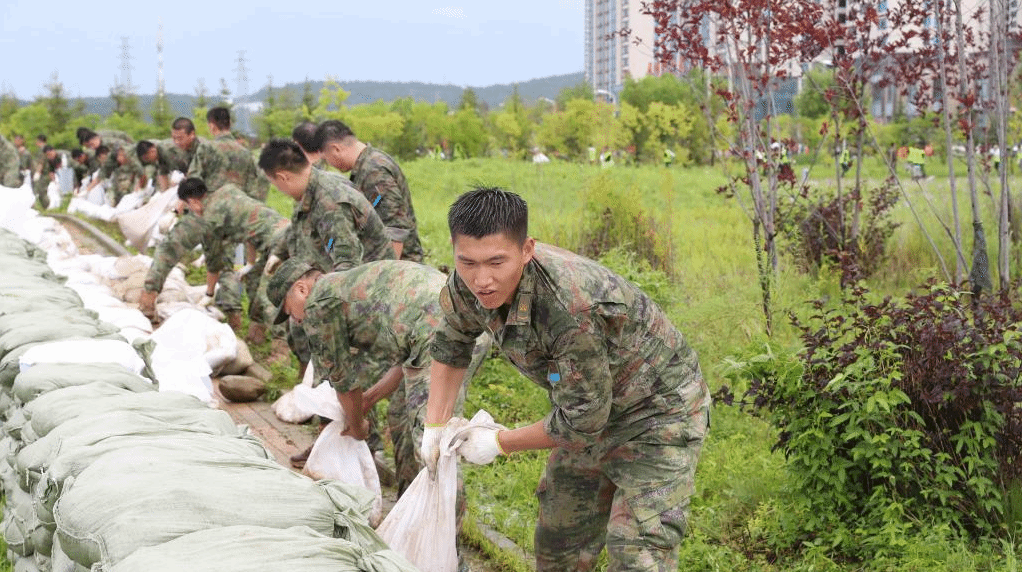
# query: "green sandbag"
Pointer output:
{"type": "Point", "coordinates": [80, 451]}
{"type": "Point", "coordinates": [203, 420]}
{"type": "Point", "coordinates": [122, 502]}
{"type": "Point", "coordinates": [260, 549]}
{"type": "Point", "coordinates": [62, 405]}
{"type": "Point", "coordinates": [45, 377]}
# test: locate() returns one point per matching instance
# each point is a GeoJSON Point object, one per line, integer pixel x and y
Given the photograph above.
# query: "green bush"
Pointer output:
{"type": "Point", "coordinates": [896, 416]}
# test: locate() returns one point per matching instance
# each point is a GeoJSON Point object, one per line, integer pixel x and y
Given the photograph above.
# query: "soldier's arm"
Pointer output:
{"type": "Point", "coordinates": [338, 229]}
{"type": "Point", "coordinates": [451, 349]}
{"type": "Point", "coordinates": [181, 238]}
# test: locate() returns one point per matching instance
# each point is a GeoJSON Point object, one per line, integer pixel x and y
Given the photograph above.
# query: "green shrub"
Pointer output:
{"type": "Point", "coordinates": [895, 415]}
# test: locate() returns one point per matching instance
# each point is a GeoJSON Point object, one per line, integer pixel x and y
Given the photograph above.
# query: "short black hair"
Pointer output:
{"type": "Point", "coordinates": [191, 188]}
{"type": "Point", "coordinates": [77, 154]}
{"type": "Point", "coordinates": [305, 135]}
{"type": "Point", "coordinates": [143, 147]}
{"type": "Point", "coordinates": [485, 211]}
{"type": "Point", "coordinates": [41, 138]}
{"type": "Point", "coordinates": [221, 117]}
{"type": "Point", "coordinates": [47, 148]}
{"type": "Point", "coordinates": [84, 134]}
{"type": "Point", "coordinates": [183, 124]}
{"type": "Point", "coordinates": [332, 130]}
{"type": "Point", "coordinates": [282, 155]}
{"type": "Point", "coordinates": [102, 149]}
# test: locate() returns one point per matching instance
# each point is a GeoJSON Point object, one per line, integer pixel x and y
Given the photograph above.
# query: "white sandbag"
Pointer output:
{"type": "Point", "coordinates": [138, 224]}
{"type": "Point", "coordinates": [53, 194]}
{"type": "Point", "coordinates": [15, 207]}
{"type": "Point", "coordinates": [348, 460]}
{"type": "Point", "coordinates": [190, 346]}
{"type": "Point", "coordinates": [259, 549]}
{"type": "Point", "coordinates": [304, 401]}
{"type": "Point", "coordinates": [83, 351]}
{"type": "Point", "coordinates": [422, 525]}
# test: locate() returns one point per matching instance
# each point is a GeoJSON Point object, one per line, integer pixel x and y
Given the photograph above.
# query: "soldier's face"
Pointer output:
{"type": "Point", "coordinates": [332, 152]}
{"type": "Point", "coordinates": [294, 302]}
{"type": "Point", "coordinates": [288, 183]}
{"type": "Point", "coordinates": [151, 155]}
{"type": "Point", "coordinates": [492, 266]}
{"type": "Point", "coordinates": [182, 138]}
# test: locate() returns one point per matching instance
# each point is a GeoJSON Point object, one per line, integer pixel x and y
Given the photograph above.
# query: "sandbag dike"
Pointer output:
{"type": "Point", "coordinates": [100, 470]}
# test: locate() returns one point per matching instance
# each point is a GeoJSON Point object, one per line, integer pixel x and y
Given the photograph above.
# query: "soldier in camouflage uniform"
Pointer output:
{"type": "Point", "coordinates": [25, 161]}
{"type": "Point", "coordinates": [10, 164]}
{"type": "Point", "coordinates": [381, 313]}
{"type": "Point", "coordinates": [160, 158]}
{"type": "Point", "coordinates": [234, 217]}
{"type": "Point", "coordinates": [53, 159]}
{"type": "Point", "coordinates": [305, 135]}
{"type": "Point", "coordinates": [630, 408]}
{"type": "Point", "coordinates": [80, 165]}
{"type": "Point", "coordinates": [333, 226]}
{"type": "Point", "coordinates": [113, 170]}
{"type": "Point", "coordinates": [127, 178]}
{"type": "Point", "coordinates": [205, 161]}
{"type": "Point", "coordinates": [241, 167]}
{"type": "Point", "coordinates": [379, 178]}
{"type": "Point", "coordinates": [189, 231]}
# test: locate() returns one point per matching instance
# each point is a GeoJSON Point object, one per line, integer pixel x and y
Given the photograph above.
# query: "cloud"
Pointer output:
{"type": "Point", "coordinates": [449, 12]}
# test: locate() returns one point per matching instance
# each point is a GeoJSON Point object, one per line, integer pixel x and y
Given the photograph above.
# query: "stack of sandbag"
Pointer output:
{"type": "Point", "coordinates": [96, 464]}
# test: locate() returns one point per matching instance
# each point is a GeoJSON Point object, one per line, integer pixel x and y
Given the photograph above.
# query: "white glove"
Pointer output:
{"type": "Point", "coordinates": [206, 301]}
{"type": "Point", "coordinates": [479, 445]}
{"type": "Point", "coordinates": [271, 265]}
{"type": "Point", "coordinates": [430, 449]}
{"type": "Point", "coordinates": [244, 270]}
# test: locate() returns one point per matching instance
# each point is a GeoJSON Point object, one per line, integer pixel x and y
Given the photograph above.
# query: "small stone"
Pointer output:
{"type": "Point", "coordinates": [241, 388]}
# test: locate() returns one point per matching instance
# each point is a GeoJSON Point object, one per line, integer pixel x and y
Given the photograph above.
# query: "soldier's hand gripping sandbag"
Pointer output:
{"type": "Point", "coordinates": [430, 449]}
{"type": "Point", "coordinates": [480, 445]}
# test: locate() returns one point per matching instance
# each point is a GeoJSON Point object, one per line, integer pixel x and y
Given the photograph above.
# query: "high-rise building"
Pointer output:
{"type": "Point", "coordinates": [612, 56]}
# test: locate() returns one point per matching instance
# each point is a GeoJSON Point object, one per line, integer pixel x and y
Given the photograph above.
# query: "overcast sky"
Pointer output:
{"type": "Point", "coordinates": [465, 42]}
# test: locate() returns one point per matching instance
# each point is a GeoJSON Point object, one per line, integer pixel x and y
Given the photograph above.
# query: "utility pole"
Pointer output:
{"type": "Point", "coordinates": [126, 86]}
{"type": "Point", "coordinates": [241, 77]}
{"type": "Point", "coordinates": [160, 86]}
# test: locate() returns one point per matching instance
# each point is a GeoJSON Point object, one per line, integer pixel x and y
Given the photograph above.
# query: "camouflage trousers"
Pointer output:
{"type": "Point", "coordinates": [39, 189]}
{"type": "Point", "coordinates": [228, 295]}
{"type": "Point", "coordinates": [633, 498]}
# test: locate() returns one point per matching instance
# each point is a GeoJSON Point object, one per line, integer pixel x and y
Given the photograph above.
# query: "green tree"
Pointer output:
{"type": "Point", "coordinates": [331, 101]}
{"type": "Point", "coordinates": [581, 90]}
{"type": "Point", "coordinates": [308, 98]}
{"type": "Point", "coordinates": [225, 94]}
{"type": "Point", "coordinates": [469, 100]}
{"type": "Point", "coordinates": [468, 133]}
{"type": "Point", "coordinates": [811, 101]}
{"type": "Point", "coordinates": [160, 114]}
{"type": "Point", "coordinates": [512, 127]}
{"type": "Point", "coordinates": [376, 123]}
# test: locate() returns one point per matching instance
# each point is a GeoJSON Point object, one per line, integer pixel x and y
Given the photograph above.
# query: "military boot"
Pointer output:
{"type": "Point", "coordinates": [234, 321]}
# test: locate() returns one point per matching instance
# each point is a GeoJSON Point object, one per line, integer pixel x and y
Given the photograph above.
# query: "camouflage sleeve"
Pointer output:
{"type": "Point", "coordinates": [455, 337]}
{"type": "Point", "coordinates": [338, 229]}
{"type": "Point", "coordinates": [262, 186]}
{"type": "Point", "coordinates": [581, 386]}
{"type": "Point", "coordinates": [184, 236]}
{"type": "Point", "coordinates": [390, 204]}
{"type": "Point", "coordinates": [110, 165]}
{"type": "Point", "coordinates": [328, 339]}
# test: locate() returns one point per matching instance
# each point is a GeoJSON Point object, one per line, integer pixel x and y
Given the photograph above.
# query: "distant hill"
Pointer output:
{"type": "Point", "coordinates": [370, 91]}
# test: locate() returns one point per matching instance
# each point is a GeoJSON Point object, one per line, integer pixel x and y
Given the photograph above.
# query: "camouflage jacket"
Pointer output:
{"type": "Point", "coordinates": [380, 179]}
{"type": "Point", "coordinates": [10, 164]}
{"type": "Point", "coordinates": [49, 167]}
{"type": "Point", "coordinates": [241, 168]}
{"type": "Point", "coordinates": [25, 161]}
{"type": "Point", "coordinates": [378, 313]}
{"type": "Point", "coordinates": [169, 157]}
{"type": "Point", "coordinates": [206, 162]}
{"type": "Point", "coordinates": [189, 232]}
{"type": "Point", "coordinates": [115, 140]}
{"type": "Point", "coordinates": [233, 217]}
{"type": "Point", "coordinates": [610, 360]}
{"type": "Point", "coordinates": [334, 227]}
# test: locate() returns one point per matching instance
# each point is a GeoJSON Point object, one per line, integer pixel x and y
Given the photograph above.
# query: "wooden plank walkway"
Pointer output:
{"type": "Point", "coordinates": [280, 438]}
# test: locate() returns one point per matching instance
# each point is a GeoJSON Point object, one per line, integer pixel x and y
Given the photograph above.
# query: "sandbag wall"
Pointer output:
{"type": "Point", "coordinates": [101, 471]}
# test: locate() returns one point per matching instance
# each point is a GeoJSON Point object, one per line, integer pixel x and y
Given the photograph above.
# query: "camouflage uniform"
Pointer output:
{"type": "Point", "coordinates": [241, 168]}
{"type": "Point", "coordinates": [234, 217]}
{"type": "Point", "coordinates": [169, 158]}
{"type": "Point", "coordinates": [380, 179]}
{"type": "Point", "coordinates": [190, 231]}
{"type": "Point", "coordinates": [46, 169]}
{"type": "Point", "coordinates": [629, 412]}
{"type": "Point", "coordinates": [363, 321]}
{"type": "Point", "coordinates": [333, 228]}
{"type": "Point", "coordinates": [124, 180]}
{"type": "Point", "coordinates": [25, 161]}
{"type": "Point", "coordinates": [207, 163]}
{"type": "Point", "coordinates": [10, 162]}
{"type": "Point", "coordinates": [115, 140]}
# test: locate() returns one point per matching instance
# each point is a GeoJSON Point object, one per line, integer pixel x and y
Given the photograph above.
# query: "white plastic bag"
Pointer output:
{"type": "Point", "coordinates": [304, 401]}
{"type": "Point", "coordinates": [348, 460]}
{"type": "Point", "coordinates": [422, 525]}
{"type": "Point", "coordinates": [83, 351]}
